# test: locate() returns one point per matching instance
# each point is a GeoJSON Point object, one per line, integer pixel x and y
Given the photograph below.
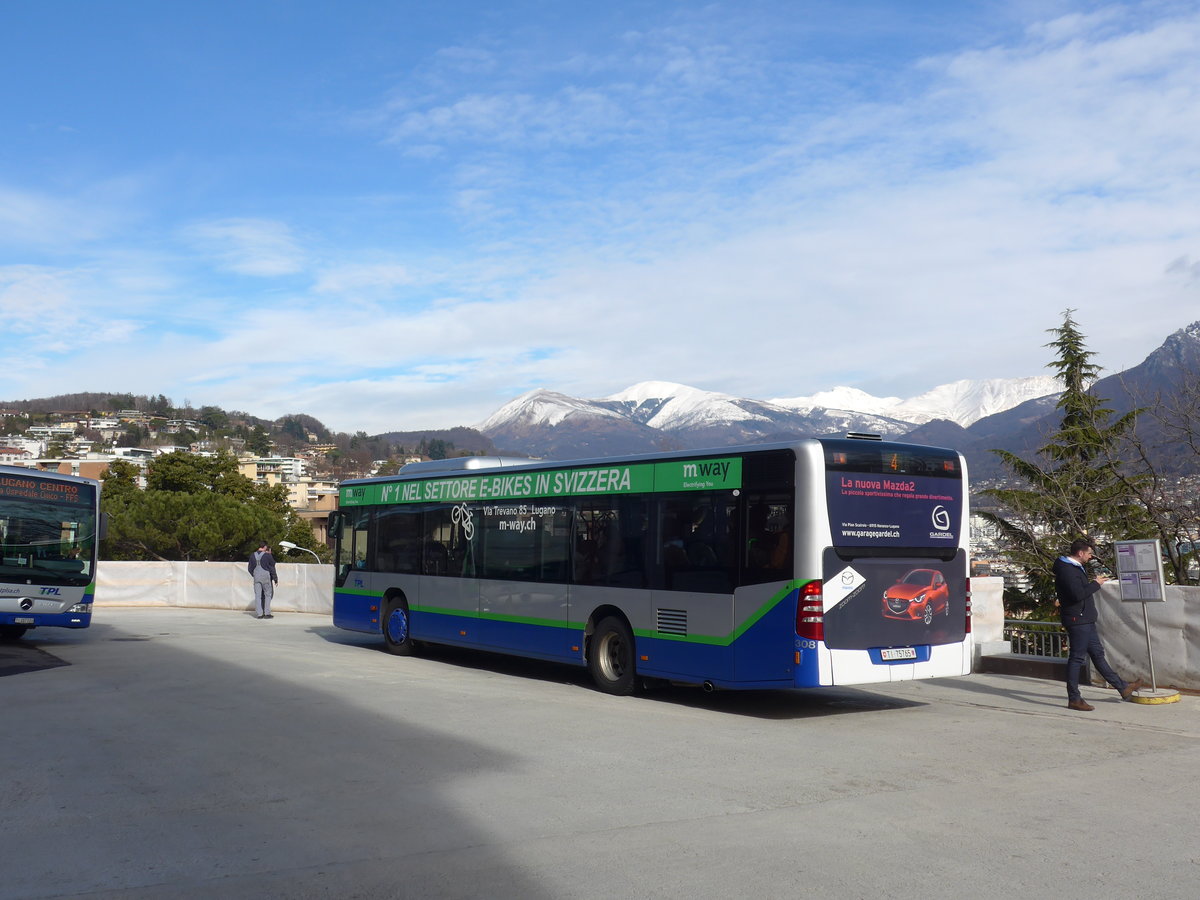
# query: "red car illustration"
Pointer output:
{"type": "Point", "coordinates": [920, 594]}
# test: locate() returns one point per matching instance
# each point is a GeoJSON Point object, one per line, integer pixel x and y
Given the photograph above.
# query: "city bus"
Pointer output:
{"type": "Point", "coordinates": [50, 527]}
{"type": "Point", "coordinates": [819, 561]}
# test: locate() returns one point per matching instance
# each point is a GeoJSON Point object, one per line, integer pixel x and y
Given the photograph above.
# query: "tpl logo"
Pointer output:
{"type": "Point", "coordinates": [49, 591]}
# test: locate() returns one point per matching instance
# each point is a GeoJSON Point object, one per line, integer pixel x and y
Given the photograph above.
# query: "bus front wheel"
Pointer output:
{"type": "Point", "coordinates": [12, 632]}
{"type": "Point", "coordinates": [611, 661]}
{"type": "Point", "coordinates": [396, 631]}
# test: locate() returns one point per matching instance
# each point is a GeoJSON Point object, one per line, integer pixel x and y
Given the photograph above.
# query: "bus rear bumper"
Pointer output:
{"type": "Point", "coordinates": [872, 667]}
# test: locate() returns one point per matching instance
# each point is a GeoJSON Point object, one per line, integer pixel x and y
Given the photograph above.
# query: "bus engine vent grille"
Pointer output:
{"type": "Point", "coordinates": [672, 621]}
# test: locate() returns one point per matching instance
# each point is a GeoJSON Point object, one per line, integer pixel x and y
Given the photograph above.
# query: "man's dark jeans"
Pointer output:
{"type": "Point", "coordinates": [1085, 642]}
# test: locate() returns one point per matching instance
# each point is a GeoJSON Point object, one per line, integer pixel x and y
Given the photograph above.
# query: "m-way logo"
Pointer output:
{"type": "Point", "coordinates": [704, 469]}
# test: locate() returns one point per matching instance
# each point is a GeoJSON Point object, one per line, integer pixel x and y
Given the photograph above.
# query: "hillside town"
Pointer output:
{"type": "Point", "coordinates": [85, 443]}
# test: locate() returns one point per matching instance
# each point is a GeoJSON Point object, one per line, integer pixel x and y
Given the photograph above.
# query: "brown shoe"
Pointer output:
{"type": "Point", "coordinates": [1131, 687]}
{"type": "Point", "coordinates": [1081, 705]}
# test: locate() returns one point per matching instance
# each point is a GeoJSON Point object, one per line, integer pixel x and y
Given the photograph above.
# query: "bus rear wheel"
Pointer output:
{"type": "Point", "coordinates": [611, 660]}
{"type": "Point", "coordinates": [12, 632]}
{"type": "Point", "coordinates": [396, 631]}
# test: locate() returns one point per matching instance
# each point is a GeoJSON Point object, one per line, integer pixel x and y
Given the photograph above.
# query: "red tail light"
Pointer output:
{"type": "Point", "coordinates": [968, 606]}
{"type": "Point", "coordinates": [810, 612]}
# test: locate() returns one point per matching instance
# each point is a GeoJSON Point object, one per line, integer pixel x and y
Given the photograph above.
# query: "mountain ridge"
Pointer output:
{"type": "Point", "coordinates": [974, 416]}
{"type": "Point", "coordinates": [656, 415]}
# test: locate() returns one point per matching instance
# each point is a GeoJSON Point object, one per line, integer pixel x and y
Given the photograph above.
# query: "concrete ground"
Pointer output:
{"type": "Point", "coordinates": [203, 753]}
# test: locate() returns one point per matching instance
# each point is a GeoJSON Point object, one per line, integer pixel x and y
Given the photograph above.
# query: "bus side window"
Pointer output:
{"type": "Point", "coordinates": [435, 558]}
{"type": "Point", "coordinates": [448, 546]}
{"type": "Point", "coordinates": [352, 546]}
{"type": "Point", "coordinates": [695, 533]}
{"type": "Point", "coordinates": [768, 554]}
{"type": "Point", "coordinates": [610, 541]}
{"type": "Point", "coordinates": [398, 540]}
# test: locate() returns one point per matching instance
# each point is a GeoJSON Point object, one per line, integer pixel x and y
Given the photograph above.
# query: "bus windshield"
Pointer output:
{"type": "Point", "coordinates": [47, 530]}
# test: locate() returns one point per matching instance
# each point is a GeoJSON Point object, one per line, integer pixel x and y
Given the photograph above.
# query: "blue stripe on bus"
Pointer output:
{"type": "Point", "coordinates": [762, 656]}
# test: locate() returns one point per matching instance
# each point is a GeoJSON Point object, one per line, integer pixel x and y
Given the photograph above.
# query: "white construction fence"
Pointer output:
{"type": "Point", "coordinates": [215, 585]}
{"type": "Point", "coordinates": [1174, 636]}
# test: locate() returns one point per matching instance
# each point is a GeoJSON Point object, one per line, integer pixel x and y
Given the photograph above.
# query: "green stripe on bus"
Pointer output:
{"type": "Point", "coordinates": [359, 592]}
{"type": "Point", "coordinates": [642, 478]}
{"type": "Point", "coordinates": [712, 640]}
{"type": "Point", "coordinates": [716, 641]}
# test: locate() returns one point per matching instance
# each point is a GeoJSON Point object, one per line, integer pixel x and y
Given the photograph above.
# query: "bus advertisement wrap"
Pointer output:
{"type": "Point", "coordinates": [684, 475]}
{"type": "Point", "coordinates": [905, 511]}
{"type": "Point", "coordinates": [893, 602]}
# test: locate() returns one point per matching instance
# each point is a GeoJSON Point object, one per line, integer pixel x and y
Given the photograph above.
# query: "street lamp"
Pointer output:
{"type": "Point", "coordinates": [288, 545]}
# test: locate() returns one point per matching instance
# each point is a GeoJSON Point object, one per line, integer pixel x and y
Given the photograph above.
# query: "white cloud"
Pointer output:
{"type": "Point", "coordinates": [258, 247]}
{"type": "Point", "coordinates": [362, 278]}
{"type": "Point", "coordinates": [29, 296]}
{"type": "Point", "coordinates": [30, 218]}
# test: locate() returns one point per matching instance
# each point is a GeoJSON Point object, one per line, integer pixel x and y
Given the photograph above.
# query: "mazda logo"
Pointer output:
{"type": "Point", "coordinates": [26, 604]}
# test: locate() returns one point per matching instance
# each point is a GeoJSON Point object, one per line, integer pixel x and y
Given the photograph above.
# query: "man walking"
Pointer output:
{"type": "Point", "coordinates": [262, 569]}
{"type": "Point", "coordinates": [1077, 609]}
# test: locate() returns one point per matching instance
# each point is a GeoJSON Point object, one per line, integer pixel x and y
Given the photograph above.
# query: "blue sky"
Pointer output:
{"type": "Point", "coordinates": [402, 215]}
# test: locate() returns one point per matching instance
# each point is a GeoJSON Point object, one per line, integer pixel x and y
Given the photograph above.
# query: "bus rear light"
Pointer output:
{"type": "Point", "coordinates": [810, 611]}
{"type": "Point", "coordinates": [968, 606]}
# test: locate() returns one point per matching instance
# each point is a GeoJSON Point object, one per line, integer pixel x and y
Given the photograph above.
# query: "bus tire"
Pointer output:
{"type": "Point", "coordinates": [397, 631]}
{"type": "Point", "coordinates": [12, 632]}
{"type": "Point", "coordinates": [611, 661]}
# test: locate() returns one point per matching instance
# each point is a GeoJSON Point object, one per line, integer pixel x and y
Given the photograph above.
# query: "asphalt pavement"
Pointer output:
{"type": "Point", "coordinates": [188, 753]}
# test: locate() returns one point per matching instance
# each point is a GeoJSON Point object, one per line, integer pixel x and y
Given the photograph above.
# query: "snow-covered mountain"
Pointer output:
{"type": "Point", "coordinates": [976, 417]}
{"type": "Point", "coordinates": [964, 402]}
{"type": "Point", "coordinates": [661, 415]}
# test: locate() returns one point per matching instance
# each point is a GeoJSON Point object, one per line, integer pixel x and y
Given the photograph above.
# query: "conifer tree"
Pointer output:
{"type": "Point", "coordinates": [1075, 486]}
{"type": "Point", "coordinates": [197, 508]}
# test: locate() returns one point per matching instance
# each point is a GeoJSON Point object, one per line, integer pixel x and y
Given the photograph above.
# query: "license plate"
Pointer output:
{"type": "Point", "coordinates": [23, 621]}
{"type": "Point", "coordinates": [899, 653]}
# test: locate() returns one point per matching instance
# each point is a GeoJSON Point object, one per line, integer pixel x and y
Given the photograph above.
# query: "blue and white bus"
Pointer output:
{"type": "Point", "coordinates": [815, 562]}
{"type": "Point", "coordinates": [50, 527]}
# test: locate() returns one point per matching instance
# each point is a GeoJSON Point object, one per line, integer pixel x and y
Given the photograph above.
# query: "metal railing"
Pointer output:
{"type": "Point", "coordinates": [1031, 638]}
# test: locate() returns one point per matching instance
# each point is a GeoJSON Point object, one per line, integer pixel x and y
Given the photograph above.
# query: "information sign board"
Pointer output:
{"type": "Point", "coordinates": [1140, 571]}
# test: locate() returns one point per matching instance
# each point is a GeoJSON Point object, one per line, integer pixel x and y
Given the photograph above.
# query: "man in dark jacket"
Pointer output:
{"type": "Point", "coordinates": [262, 569]}
{"type": "Point", "coordinates": [1077, 609]}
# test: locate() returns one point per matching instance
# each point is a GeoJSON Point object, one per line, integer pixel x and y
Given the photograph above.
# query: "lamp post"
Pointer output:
{"type": "Point", "coordinates": [288, 545]}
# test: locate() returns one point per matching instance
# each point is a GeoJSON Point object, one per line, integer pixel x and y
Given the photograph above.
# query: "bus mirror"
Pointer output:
{"type": "Point", "coordinates": [102, 527]}
{"type": "Point", "coordinates": [334, 526]}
